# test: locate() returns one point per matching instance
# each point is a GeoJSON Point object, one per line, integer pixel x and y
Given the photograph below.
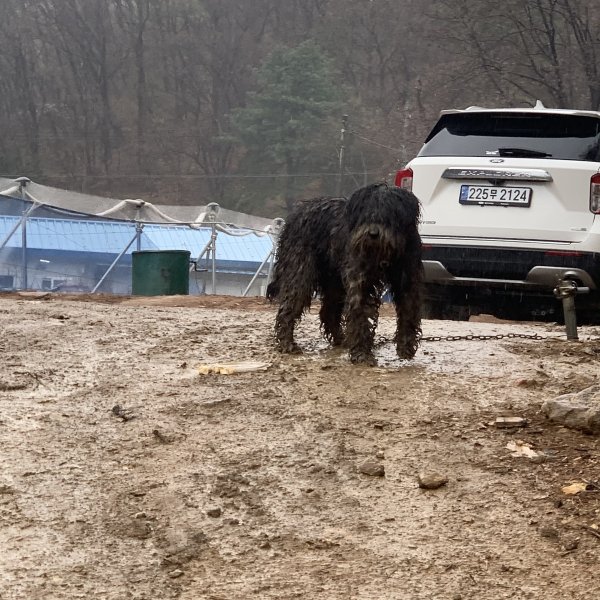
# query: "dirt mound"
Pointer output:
{"type": "Point", "coordinates": [219, 302]}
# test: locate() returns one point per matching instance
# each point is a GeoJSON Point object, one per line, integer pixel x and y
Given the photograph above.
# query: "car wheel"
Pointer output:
{"type": "Point", "coordinates": [447, 312]}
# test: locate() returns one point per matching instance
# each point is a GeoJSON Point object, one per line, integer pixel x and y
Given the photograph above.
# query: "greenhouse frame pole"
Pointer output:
{"type": "Point", "coordinates": [114, 263]}
{"type": "Point", "coordinates": [213, 243]}
{"type": "Point", "coordinates": [210, 251]}
{"type": "Point", "coordinates": [139, 228]}
{"type": "Point", "coordinates": [17, 225]}
{"type": "Point", "coordinates": [254, 278]}
{"type": "Point", "coordinates": [23, 181]}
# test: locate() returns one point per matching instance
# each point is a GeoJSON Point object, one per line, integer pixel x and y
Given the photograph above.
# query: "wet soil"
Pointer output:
{"type": "Point", "coordinates": [126, 473]}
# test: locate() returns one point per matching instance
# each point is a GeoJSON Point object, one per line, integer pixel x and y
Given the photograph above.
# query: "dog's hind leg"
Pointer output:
{"type": "Point", "coordinates": [295, 295]}
{"type": "Point", "coordinates": [288, 315]}
{"type": "Point", "coordinates": [333, 298]}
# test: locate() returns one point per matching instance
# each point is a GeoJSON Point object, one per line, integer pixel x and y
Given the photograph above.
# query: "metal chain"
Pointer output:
{"type": "Point", "coordinates": [457, 338]}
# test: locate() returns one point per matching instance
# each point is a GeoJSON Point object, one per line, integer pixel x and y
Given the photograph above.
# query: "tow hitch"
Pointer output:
{"type": "Point", "coordinates": [566, 290]}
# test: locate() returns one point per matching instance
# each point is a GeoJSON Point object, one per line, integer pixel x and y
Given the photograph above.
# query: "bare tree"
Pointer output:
{"type": "Point", "coordinates": [583, 20]}
{"type": "Point", "coordinates": [20, 84]}
{"type": "Point", "coordinates": [216, 49]}
{"type": "Point", "coordinates": [525, 49]}
{"type": "Point", "coordinates": [88, 56]}
{"type": "Point", "coordinates": [133, 18]}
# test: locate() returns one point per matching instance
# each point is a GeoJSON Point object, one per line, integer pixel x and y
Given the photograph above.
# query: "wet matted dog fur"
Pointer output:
{"type": "Point", "coordinates": [348, 251]}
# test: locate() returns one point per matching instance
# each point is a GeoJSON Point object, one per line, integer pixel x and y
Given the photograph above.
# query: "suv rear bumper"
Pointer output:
{"type": "Point", "coordinates": [507, 281]}
{"type": "Point", "coordinates": [537, 277]}
{"type": "Point", "coordinates": [508, 267]}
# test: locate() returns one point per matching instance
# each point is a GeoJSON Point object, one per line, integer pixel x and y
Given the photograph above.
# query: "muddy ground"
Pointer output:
{"type": "Point", "coordinates": [126, 473]}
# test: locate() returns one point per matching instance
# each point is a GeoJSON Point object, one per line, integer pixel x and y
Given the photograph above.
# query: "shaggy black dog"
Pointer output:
{"type": "Point", "coordinates": [349, 251]}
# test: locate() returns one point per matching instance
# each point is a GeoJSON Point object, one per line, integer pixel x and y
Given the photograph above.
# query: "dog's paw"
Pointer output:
{"type": "Point", "coordinates": [405, 353]}
{"type": "Point", "coordinates": [363, 358]}
{"type": "Point", "coordinates": [290, 348]}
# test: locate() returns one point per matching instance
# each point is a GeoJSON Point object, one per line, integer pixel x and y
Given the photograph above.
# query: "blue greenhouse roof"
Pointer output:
{"type": "Point", "coordinates": [111, 238]}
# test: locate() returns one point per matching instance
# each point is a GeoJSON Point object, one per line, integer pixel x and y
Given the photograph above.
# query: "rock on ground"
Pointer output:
{"type": "Point", "coordinates": [580, 410]}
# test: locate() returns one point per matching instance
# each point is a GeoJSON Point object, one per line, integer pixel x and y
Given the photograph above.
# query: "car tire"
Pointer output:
{"type": "Point", "coordinates": [447, 312]}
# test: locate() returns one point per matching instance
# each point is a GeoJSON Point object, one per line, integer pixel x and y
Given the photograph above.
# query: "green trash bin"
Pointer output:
{"type": "Point", "coordinates": [160, 272]}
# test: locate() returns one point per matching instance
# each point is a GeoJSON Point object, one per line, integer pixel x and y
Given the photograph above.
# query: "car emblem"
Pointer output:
{"type": "Point", "coordinates": [496, 160]}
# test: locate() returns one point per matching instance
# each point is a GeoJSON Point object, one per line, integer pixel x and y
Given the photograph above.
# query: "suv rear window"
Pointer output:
{"type": "Point", "coordinates": [553, 136]}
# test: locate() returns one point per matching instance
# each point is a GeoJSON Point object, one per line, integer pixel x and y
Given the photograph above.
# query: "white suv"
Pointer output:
{"type": "Point", "coordinates": [511, 208]}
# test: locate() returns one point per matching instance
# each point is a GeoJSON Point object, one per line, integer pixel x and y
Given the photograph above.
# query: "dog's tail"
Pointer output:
{"type": "Point", "coordinates": [273, 290]}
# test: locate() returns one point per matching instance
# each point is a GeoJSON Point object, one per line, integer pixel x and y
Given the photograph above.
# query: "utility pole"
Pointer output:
{"type": "Point", "coordinates": [341, 166]}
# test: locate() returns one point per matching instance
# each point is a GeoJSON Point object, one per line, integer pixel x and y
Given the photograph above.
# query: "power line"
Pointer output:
{"type": "Point", "coordinates": [198, 176]}
{"type": "Point", "coordinates": [374, 142]}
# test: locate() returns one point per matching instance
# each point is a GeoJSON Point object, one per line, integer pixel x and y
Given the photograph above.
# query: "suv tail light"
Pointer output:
{"type": "Point", "coordinates": [595, 194]}
{"type": "Point", "coordinates": [404, 179]}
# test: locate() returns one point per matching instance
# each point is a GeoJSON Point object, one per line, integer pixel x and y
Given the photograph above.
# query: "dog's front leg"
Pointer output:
{"type": "Point", "coordinates": [361, 321]}
{"type": "Point", "coordinates": [406, 281]}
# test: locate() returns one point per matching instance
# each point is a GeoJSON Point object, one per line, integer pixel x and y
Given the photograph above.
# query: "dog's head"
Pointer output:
{"type": "Point", "coordinates": [379, 218]}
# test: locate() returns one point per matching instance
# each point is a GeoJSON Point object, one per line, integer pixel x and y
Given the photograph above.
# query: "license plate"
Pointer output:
{"type": "Point", "coordinates": [495, 195]}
